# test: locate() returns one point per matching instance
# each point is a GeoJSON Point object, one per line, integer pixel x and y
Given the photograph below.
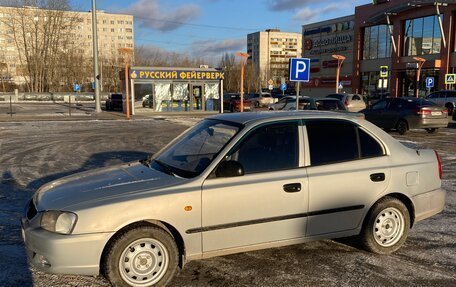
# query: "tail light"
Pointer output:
{"type": "Point", "coordinates": [423, 112]}
{"type": "Point", "coordinates": [445, 112]}
{"type": "Point", "coordinates": [439, 162]}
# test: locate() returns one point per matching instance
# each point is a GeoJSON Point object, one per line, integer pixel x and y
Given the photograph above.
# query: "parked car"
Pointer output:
{"type": "Point", "coordinates": [353, 102]}
{"type": "Point", "coordinates": [232, 103]}
{"type": "Point", "coordinates": [114, 102]}
{"type": "Point", "coordinates": [444, 98]}
{"type": "Point", "coordinates": [407, 113]}
{"type": "Point", "coordinates": [261, 100]}
{"type": "Point", "coordinates": [330, 104]}
{"type": "Point", "coordinates": [148, 101]}
{"type": "Point", "coordinates": [289, 103]}
{"type": "Point", "coordinates": [234, 183]}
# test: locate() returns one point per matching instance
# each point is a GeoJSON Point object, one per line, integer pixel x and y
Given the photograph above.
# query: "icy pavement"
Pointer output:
{"type": "Point", "coordinates": [32, 154]}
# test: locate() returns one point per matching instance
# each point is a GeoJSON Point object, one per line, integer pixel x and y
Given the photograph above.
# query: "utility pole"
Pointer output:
{"type": "Point", "coordinates": [96, 75]}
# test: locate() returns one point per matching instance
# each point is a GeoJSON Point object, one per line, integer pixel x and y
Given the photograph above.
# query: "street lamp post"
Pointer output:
{"type": "Point", "coordinates": [418, 72]}
{"type": "Point", "coordinates": [96, 75]}
{"type": "Point", "coordinates": [127, 56]}
{"type": "Point", "coordinates": [340, 60]}
{"type": "Point", "coordinates": [244, 57]}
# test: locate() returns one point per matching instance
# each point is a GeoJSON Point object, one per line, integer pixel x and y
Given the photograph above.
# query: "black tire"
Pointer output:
{"type": "Point", "coordinates": [450, 108]}
{"type": "Point", "coordinates": [402, 127]}
{"type": "Point", "coordinates": [431, 130]}
{"type": "Point", "coordinates": [390, 214]}
{"type": "Point", "coordinates": [158, 241]}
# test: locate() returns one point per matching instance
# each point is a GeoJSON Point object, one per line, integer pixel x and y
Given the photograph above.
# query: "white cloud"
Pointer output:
{"type": "Point", "coordinates": [307, 15]}
{"type": "Point", "coordinates": [282, 5]}
{"type": "Point", "coordinates": [210, 48]}
{"type": "Point", "coordinates": [158, 16]}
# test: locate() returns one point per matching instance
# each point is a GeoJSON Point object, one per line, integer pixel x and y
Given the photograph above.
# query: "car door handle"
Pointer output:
{"type": "Point", "coordinates": [376, 177]}
{"type": "Point", "coordinates": [292, 187]}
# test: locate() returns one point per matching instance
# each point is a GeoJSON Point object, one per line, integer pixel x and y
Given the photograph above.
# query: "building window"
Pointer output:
{"type": "Point", "coordinates": [377, 42]}
{"type": "Point", "coordinates": [422, 36]}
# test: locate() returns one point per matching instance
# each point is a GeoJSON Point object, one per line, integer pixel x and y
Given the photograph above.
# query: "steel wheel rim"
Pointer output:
{"type": "Point", "coordinates": [388, 227]}
{"type": "Point", "coordinates": [143, 262]}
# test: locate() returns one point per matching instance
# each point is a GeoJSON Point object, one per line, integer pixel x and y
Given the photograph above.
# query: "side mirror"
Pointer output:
{"type": "Point", "coordinates": [229, 168]}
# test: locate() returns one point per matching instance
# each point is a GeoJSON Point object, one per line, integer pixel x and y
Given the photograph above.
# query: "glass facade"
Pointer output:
{"type": "Point", "coordinates": [408, 82]}
{"type": "Point", "coordinates": [373, 89]}
{"type": "Point", "coordinates": [377, 42]}
{"type": "Point", "coordinates": [422, 36]}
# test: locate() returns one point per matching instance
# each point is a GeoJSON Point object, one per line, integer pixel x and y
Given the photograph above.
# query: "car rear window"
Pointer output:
{"type": "Point", "coordinates": [335, 96]}
{"type": "Point", "coordinates": [416, 103]}
{"type": "Point", "coordinates": [116, 96]}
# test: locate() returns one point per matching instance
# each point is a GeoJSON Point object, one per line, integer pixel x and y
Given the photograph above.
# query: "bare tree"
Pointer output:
{"type": "Point", "coordinates": [41, 33]}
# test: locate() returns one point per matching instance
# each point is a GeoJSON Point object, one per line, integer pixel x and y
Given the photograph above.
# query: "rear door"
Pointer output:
{"type": "Point", "coordinates": [347, 170]}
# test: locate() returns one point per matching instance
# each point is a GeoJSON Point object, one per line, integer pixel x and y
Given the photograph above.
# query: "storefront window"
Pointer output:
{"type": "Point", "coordinates": [377, 42]}
{"type": "Point", "coordinates": [422, 36]}
{"type": "Point", "coordinates": [372, 87]}
{"type": "Point", "coordinates": [408, 82]}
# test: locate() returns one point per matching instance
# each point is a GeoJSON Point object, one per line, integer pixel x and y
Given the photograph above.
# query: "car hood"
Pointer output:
{"type": "Point", "coordinates": [101, 184]}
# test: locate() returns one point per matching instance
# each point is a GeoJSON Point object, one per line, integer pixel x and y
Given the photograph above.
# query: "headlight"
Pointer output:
{"type": "Point", "coordinates": [58, 221]}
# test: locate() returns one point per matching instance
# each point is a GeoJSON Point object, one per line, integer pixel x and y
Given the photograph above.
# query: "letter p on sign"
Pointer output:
{"type": "Point", "coordinates": [299, 70]}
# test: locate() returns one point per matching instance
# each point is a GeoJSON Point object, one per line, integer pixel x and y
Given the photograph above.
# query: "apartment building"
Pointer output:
{"type": "Point", "coordinates": [115, 31]}
{"type": "Point", "coordinates": [270, 52]}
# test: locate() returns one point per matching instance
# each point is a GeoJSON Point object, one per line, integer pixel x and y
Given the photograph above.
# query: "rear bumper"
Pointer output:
{"type": "Point", "coordinates": [423, 123]}
{"type": "Point", "coordinates": [429, 203]}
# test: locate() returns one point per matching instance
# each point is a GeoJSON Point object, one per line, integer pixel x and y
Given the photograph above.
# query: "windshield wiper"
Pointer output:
{"type": "Point", "coordinates": [168, 170]}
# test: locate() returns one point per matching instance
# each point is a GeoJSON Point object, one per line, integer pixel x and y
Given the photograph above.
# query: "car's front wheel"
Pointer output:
{"type": "Point", "coordinates": [140, 257]}
{"type": "Point", "coordinates": [386, 226]}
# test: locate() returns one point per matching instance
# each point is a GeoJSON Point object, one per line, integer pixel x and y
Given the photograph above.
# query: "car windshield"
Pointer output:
{"type": "Point", "coordinates": [194, 150]}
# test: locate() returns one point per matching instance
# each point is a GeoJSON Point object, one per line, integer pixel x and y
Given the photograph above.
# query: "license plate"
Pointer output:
{"type": "Point", "coordinates": [436, 113]}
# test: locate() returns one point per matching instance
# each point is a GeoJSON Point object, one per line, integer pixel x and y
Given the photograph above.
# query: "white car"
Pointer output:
{"type": "Point", "coordinates": [234, 183]}
{"type": "Point", "coordinates": [353, 102]}
{"type": "Point", "coordinates": [444, 98]}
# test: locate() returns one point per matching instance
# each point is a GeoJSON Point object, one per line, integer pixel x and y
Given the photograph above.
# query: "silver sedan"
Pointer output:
{"type": "Point", "coordinates": [212, 191]}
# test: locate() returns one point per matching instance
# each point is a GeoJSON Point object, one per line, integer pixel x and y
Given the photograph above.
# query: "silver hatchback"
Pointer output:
{"type": "Point", "coordinates": [234, 183]}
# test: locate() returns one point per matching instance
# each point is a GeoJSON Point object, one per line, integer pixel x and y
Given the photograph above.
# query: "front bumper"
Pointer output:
{"type": "Point", "coordinates": [64, 254]}
{"type": "Point", "coordinates": [429, 203]}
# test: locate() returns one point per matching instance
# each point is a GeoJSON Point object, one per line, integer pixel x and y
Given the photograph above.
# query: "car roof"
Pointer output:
{"type": "Point", "coordinates": [252, 117]}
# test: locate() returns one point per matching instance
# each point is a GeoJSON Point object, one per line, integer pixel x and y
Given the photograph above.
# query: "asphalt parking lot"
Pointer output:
{"type": "Point", "coordinates": [33, 153]}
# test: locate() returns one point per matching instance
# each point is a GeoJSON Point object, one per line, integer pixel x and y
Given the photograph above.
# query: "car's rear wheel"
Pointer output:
{"type": "Point", "coordinates": [431, 130]}
{"type": "Point", "coordinates": [450, 108]}
{"type": "Point", "coordinates": [386, 226]}
{"type": "Point", "coordinates": [402, 127]}
{"type": "Point", "coordinates": [140, 257]}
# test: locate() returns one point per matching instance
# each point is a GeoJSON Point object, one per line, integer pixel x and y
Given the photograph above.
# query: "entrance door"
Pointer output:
{"type": "Point", "coordinates": [196, 98]}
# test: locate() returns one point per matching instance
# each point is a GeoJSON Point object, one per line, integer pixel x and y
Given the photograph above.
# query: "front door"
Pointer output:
{"type": "Point", "coordinates": [268, 203]}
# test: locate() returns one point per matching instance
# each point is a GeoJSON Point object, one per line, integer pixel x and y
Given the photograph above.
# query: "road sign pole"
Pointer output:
{"type": "Point", "coordinates": [297, 96]}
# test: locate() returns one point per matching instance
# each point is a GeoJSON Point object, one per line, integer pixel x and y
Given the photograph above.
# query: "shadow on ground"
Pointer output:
{"type": "Point", "coordinates": [13, 198]}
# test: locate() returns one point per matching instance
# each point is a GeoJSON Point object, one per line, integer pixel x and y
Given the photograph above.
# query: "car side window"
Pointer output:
{"type": "Point", "coordinates": [331, 142]}
{"type": "Point", "coordinates": [268, 148]}
{"type": "Point", "coordinates": [369, 146]}
{"type": "Point", "coordinates": [347, 142]}
{"type": "Point", "coordinates": [381, 105]}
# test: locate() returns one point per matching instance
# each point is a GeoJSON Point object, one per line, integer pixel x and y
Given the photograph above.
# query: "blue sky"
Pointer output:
{"type": "Point", "coordinates": [212, 27]}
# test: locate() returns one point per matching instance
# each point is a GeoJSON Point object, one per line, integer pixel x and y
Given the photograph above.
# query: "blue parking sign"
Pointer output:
{"type": "Point", "coordinates": [77, 88]}
{"type": "Point", "coordinates": [299, 70]}
{"type": "Point", "coordinates": [283, 87]}
{"type": "Point", "coordinates": [430, 82]}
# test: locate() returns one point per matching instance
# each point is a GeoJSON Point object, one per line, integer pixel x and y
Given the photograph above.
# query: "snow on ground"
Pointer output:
{"type": "Point", "coordinates": [34, 153]}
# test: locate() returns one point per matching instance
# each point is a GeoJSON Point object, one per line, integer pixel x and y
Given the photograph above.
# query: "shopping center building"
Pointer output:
{"type": "Point", "coordinates": [385, 33]}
